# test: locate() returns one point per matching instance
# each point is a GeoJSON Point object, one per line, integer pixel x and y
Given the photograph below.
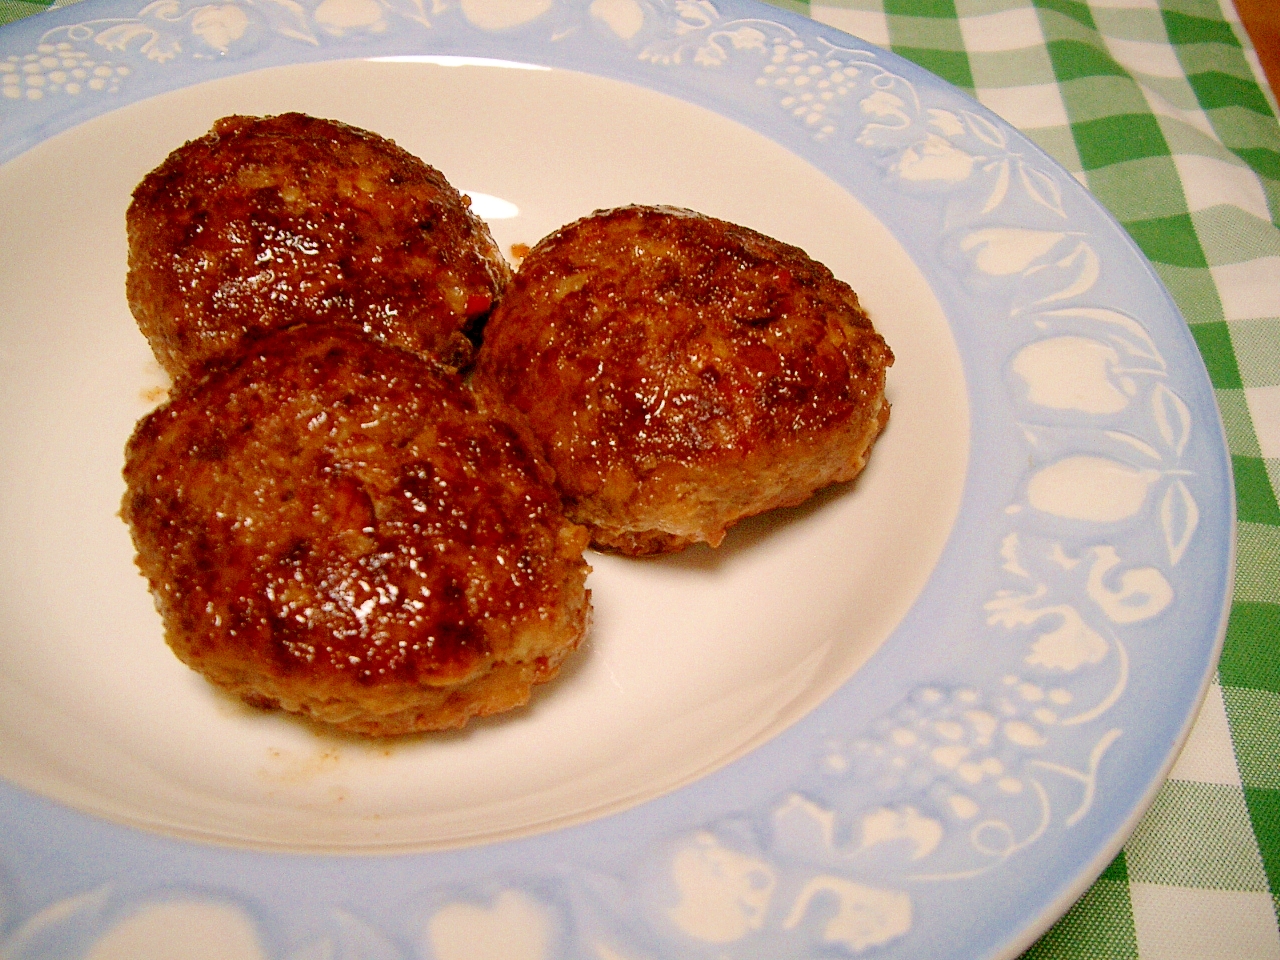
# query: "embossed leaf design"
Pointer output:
{"type": "Point", "coordinates": [289, 19]}
{"type": "Point", "coordinates": [1000, 189]}
{"type": "Point", "coordinates": [1179, 517]}
{"type": "Point", "coordinates": [1041, 188]}
{"type": "Point", "coordinates": [1088, 777]}
{"type": "Point", "coordinates": [1083, 262]}
{"type": "Point", "coordinates": [1135, 443]}
{"type": "Point", "coordinates": [119, 37]}
{"type": "Point", "coordinates": [1173, 419]}
{"type": "Point", "coordinates": [1128, 331]}
{"type": "Point", "coordinates": [986, 131]}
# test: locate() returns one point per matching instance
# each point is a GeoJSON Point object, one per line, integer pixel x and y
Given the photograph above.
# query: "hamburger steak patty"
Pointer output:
{"type": "Point", "coordinates": [683, 373]}
{"type": "Point", "coordinates": [334, 527]}
{"type": "Point", "coordinates": [269, 221]}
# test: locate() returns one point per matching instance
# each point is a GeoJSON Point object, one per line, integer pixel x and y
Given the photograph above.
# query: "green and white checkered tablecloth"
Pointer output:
{"type": "Point", "coordinates": [1159, 108]}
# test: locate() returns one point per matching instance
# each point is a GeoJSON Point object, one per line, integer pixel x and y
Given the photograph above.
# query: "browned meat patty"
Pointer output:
{"type": "Point", "coordinates": [683, 373]}
{"type": "Point", "coordinates": [333, 527]}
{"type": "Point", "coordinates": [269, 221]}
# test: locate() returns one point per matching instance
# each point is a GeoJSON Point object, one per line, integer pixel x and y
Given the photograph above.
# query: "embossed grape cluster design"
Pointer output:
{"type": "Point", "coordinates": [57, 68]}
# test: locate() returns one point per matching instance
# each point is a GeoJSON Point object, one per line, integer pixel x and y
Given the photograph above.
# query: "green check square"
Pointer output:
{"type": "Point", "coordinates": [1215, 89]}
{"type": "Point", "coordinates": [1218, 352]}
{"type": "Point", "coordinates": [1214, 58]}
{"type": "Point", "coordinates": [1099, 925]}
{"type": "Point", "coordinates": [1073, 59]}
{"type": "Point", "coordinates": [1117, 869]}
{"type": "Point", "coordinates": [1262, 160]}
{"type": "Point", "coordinates": [1184, 28]}
{"type": "Point", "coordinates": [1197, 835]}
{"type": "Point", "coordinates": [1193, 8]}
{"type": "Point", "coordinates": [1264, 807]}
{"type": "Point", "coordinates": [1168, 240]}
{"type": "Point", "coordinates": [944, 9]}
{"type": "Point", "coordinates": [1073, 9]}
{"type": "Point", "coordinates": [1248, 657]}
{"type": "Point", "coordinates": [11, 10]}
{"type": "Point", "coordinates": [1255, 500]}
{"type": "Point", "coordinates": [1115, 139]}
{"type": "Point", "coordinates": [1255, 731]}
{"type": "Point", "coordinates": [952, 66]}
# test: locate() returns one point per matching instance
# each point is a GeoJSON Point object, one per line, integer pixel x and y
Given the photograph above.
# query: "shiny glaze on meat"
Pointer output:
{"type": "Point", "coordinates": [664, 357]}
{"type": "Point", "coordinates": [325, 508]}
{"type": "Point", "coordinates": [270, 221]}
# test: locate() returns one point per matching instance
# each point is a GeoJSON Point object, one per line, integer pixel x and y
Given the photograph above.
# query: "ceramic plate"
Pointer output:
{"type": "Point", "coordinates": [915, 716]}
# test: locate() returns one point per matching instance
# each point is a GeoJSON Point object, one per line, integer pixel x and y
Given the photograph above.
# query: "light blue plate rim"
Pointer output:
{"type": "Point", "coordinates": [955, 795]}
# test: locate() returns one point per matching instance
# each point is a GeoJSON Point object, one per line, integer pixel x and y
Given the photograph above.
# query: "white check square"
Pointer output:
{"type": "Point", "coordinates": [869, 25]}
{"type": "Point", "coordinates": [1013, 29]}
{"type": "Point", "coordinates": [1177, 923]}
{"type": "Point", "coordinates": [1027, 108]}
{"type": "Point", "coordinates": [1264, 411]}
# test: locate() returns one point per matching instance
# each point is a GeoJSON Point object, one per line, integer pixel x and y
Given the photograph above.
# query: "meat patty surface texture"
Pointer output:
{"type": "Point", "coordinates": [336, 528]}
{"type": "Point", "coordinates": [271, 221]}
{"type": "Point", "coordinates": [683, 372]}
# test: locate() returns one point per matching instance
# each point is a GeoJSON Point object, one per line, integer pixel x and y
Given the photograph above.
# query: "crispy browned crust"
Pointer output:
{"type": "Point", "coordinates": [683, 373]}
{"type": "Point", "coordinates": [334, 527]}
{"type": "Point", "coordinates": [269, 221]}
